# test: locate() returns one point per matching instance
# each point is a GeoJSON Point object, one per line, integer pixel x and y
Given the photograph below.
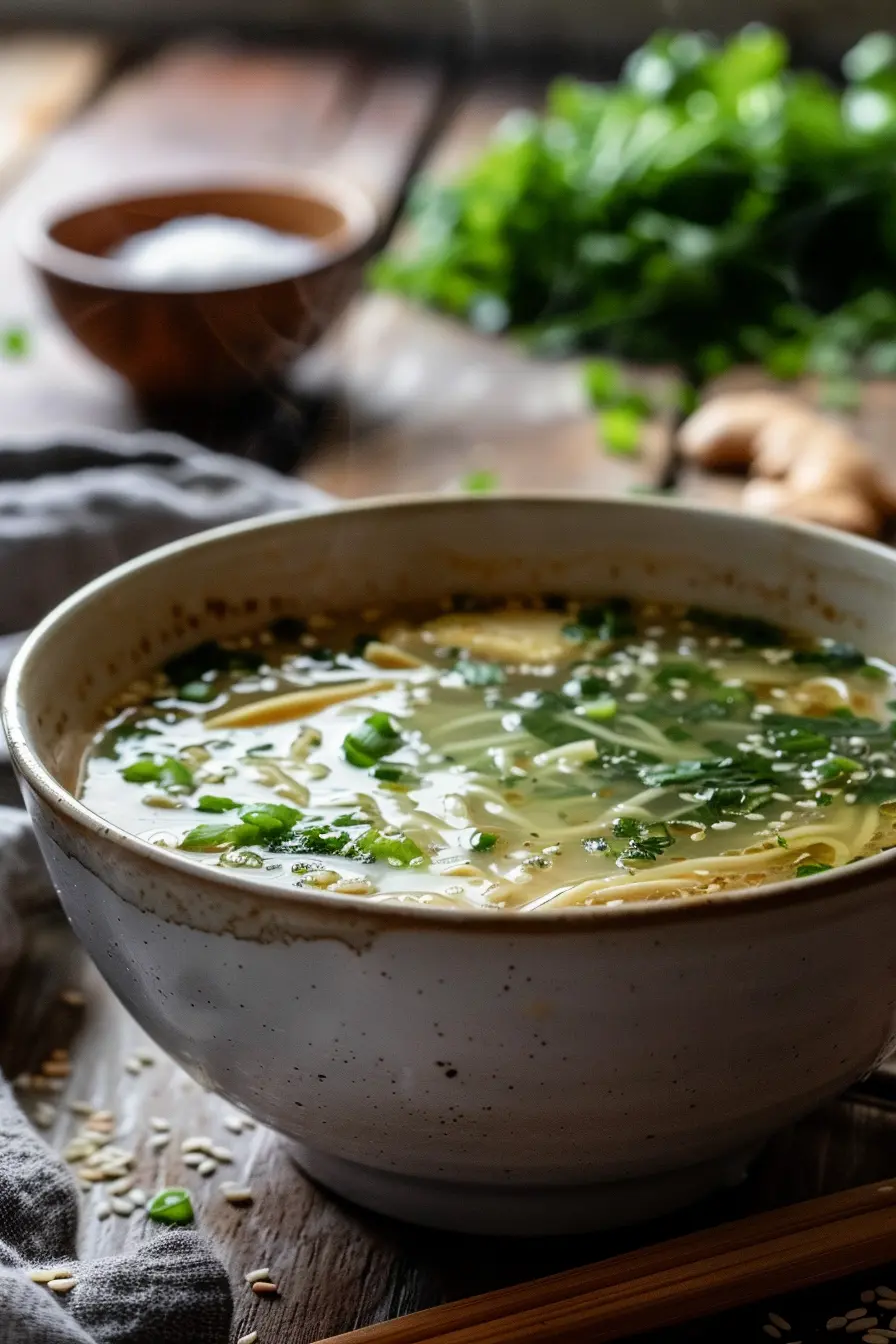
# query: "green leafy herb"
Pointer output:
{"type": "Point", "coordinates": [198, 692]}
{"type": "Point", "coordinates": [213, 802]}
{"type": "Point", "coordinates": [191, 667]}
{"type": "Point", "coordinates": [122, 732]}
{"type": "Point", "coordinates": [601, 709]}
{"type": "Point", "coordinates": [781, 842]}
{"type": "Point", "coordinates": [166, 771]}
{"type": "Point", "coordinates": [751, 630]}
{"type": "Point", "coordinates": [212, 836]}
{"type": "Point", "coordinates": [832, 656]}
{"type": "Point", "coordinates": [16, 343]}
{"type": "Point", "coordinates": [610, 620]}
{"type": "Point", "coordinates": [477, 673]}
{"type": "Point", "coordinates": [172, 1206]}
{"type": "Point", "coordinates": [645, 842]}
{"type": "Point", "coordinates": [480, 482]}
{"type": "Point", "coordinates": [375, 738]}
{"type": "Point", "coordinates": [388, 773]}
{"type": "Point", "coordinates": [398, 850]}
{"type": "Point", "coordinates": [271, 820]}
{"type": "Point", "coordinates": [810, 869]}
{"type": "Point", "coordinates": [715, 206]}
{"type": "Point", "coordinates": [620, 430]}
{"type": "Point", "coordinates": [483, 841]}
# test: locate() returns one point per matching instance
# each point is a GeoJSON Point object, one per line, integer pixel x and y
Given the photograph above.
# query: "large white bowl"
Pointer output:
{"type": "Point", "coordinates": [490, 1072]}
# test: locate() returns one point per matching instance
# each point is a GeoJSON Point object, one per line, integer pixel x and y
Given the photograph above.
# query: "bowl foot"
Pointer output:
{"type": "Point", "coordinates": [507, 1210]}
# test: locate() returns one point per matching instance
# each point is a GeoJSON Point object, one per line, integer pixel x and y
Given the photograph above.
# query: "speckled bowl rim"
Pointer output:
{"type": "Point", "coordinates": [756, 900]}
{"type": "Point", "coordinates": [42, 251]}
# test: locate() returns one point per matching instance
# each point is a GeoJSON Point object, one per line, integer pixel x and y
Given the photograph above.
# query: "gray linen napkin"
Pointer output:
{"type": "Point", "coordinates": [172, 1289]}
{"type": "Point", "coordinates": [70, 510]}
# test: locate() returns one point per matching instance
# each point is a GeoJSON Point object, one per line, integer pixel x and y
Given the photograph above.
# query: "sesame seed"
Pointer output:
{"type": "Point", "coordinates": [132, 1066]}
{"type": "Point", "coordinates": [874, 1337]}
{"type": "Point", "coordinates": [238, 1194]}
{"type": "Point", "coordinates": [885, 1189]}
{"type": "Point", "coordinates": [781, 797]}
{"type": "Point", "coordinates": [222, 1154]}
{"type": "Point", "coordinates": [48, 1275]}
{"type": "Point", "coordinates": [251, 1338]}
{"type": "Point", "coordinates": [723, 825]}
{"type": "Point", "coordinates": [107, 1117]}
{"type": "Point", "coordinates": [197, 1143]}
{"type": "Point", "coordinates": [138, 1197]}
{"type": "Point", "coordinates": [159, 1124]}
{"type": "Point", "coordinates": [208, 1167]}
{"type": "Point", "coordinates": [123, 1207]}
{"type": "Point", "coordinates": [103, 1211]}
{"type": "Point", "coordinates": [83, 1108]}
{"type": "Point", "coordinates": [61, 1285]}
{"type": "Point", "coordinates": [805, 802]}
{"type": "Point", "coordinates": [868, 1295]}
{"type": "Point", "coordinates": [754, 816]}
{"type": "Point", "coordinates": [884, 1291]}
{"type": "Point", "coordinates": [859, 1326]}
{"type": "Point", "coordinates": [250, 1124]}
{"type": "Point", "coordinates": [121, 1186]}
{"type": "Point", "coordinates": [636, 697]}
{"type": "Point", "coordinates": [772, 1330]}
{"type": "Point", "coordinates": [836, 1323]}
{"type": "Point", "coordinates": [699, 835]}
{"type": "Point", "coordinates": [855, 1314]}
{"type": "Point", "coordinates": [786, 816]}
{"type": "Point", "coordinates": [234, 1124]}
{"type": "Point", "coordinates": [257, 1275]}
{"type": "Point", "coordinates": [263, 1289]}
{"type": "Point", "coordinates": [159, 1141]}
{"type": "Point", "coordinates": [850, 797]}
{"type": "Point", "coordinates": [73, 997]}
{"type": "Point", "coordinates": [887, 1303]}
{"type": "Point", "coordinates": [44, 1114]}
{"type": "Point", "coordinates": [779, 1321]}
{"type": "Point", "coordinates": [194, 1159]}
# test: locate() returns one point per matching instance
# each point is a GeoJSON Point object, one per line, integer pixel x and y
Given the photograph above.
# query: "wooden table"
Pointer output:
{"type": "Point", "coordinates": [394, 400]}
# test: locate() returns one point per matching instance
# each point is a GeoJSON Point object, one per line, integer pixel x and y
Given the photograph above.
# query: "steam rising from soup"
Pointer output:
{"type": "Point", "coordinates": [527, 758]}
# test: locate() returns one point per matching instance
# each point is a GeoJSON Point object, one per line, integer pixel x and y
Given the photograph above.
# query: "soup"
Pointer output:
{"type": "Point", "coordinates": [529, 758]}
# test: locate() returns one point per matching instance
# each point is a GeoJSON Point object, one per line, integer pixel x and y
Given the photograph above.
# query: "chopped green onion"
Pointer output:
{"type": "Point", "coordinates": [197, 692]}
{"type": "Point", "coordinates": [219, 835]}
{"type": "Point", "coordinates": [480, 482]}
{"type": "Point", "coordinates": [166, 771]}
{"type": "Point", "coordinates": [604, 708]}
{"type": "Point", "coordinates": [398, 850]}
{"type": "Point", "coordinates": [483, 841]}
{"type": "Point", "coordinates": [375, 738]}
{"type": "Point", "coordinates": [213, 802]}
{"type": "Point", "coordinates": [810, 869]}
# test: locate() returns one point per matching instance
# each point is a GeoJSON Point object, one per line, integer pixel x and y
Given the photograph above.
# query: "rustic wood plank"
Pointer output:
{"type": "Point", "coordinates": [43, 81]}
{"type": "Point", "coordinates": [422, 401]}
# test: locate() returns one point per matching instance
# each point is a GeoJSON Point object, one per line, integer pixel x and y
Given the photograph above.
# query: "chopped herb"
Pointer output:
{"type": "Point", "coordinates": [477, 673]}
{"type": "Point", "coordinates": [398, 850]}
{"type": "Point", "coordinates": [172, 1206]}
{"type": "Point", "coordinates": [193, 665]}
{"type": "Point", "coordinates": [388, 773]}
{"type": "Point", "coordinates": [16, 343]}
{"type": "Point", "coordinates": [123, 732]}
{"type": "Point", "coordinates": [611, 620]}
{"type": "Point", "coordinates": [831, 655]}
{"type": "Point", "coordinates": [166, 771]}
{"type": "Point", "coordinates": [213, 836]}
{"type": "Point", "coordinates": [753, 631]}
{"type": "Point", "coordinates": [599, 710]}
{"type": "Point", "coordinates": [483, 841]}
{"type": "Point", "coordinates": [877, 788]}
{"type": "Point", "coordinates": [375, 738]}
{"type": "Point", "coordinates": [271, 820]}
{"type": "Point", "coordinates": [646, 842]}
{"type": "Point", "coordinates": [260, 749]}
{"type": "Point", "coordinates": [810, 869]}
{"type": "Point", "coordinates": [781, 842]}
{"type": "Point", "coordinates": [213, 802]}
{"type": "Point", "coordinates": [480, 482]}
{"type": "Point", "coordinates": [620, 430]}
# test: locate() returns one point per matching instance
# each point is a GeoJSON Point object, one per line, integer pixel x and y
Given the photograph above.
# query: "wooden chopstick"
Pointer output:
{"type": "Point", "coordinates": [670, 1283]}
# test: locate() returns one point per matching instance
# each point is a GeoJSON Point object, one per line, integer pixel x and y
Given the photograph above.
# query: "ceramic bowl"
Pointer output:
{"type": "Point", "coordinates": [491, 1072]}
{"type": "Point", "coordinates": [202, 340]}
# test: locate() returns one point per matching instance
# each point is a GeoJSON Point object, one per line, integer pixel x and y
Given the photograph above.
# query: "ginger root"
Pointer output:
{"type": "Point", "coordinates": [801, 464]}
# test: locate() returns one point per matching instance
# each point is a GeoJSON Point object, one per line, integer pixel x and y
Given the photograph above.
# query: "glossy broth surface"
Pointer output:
{"type": "Point", "coordinates": [529, 758]}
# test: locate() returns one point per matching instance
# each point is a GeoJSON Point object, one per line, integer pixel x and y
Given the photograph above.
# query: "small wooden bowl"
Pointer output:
{"type": "Point", "coordinates": [173, 340]}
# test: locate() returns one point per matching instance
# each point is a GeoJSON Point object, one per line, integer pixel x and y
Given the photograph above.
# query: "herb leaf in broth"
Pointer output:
{"type": "Point", "coordinates": [833, 657]}
{"type": "Point", "coordinates": [187, 669]}
{"type": "Point", "coordinates": [750, 630]}
{"type": "Point", "coordinates": [477, 673]}
{"type": "Point", "coordinates": [166, 771]}
{"type": "Point", "coordinates": [376, 737]}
